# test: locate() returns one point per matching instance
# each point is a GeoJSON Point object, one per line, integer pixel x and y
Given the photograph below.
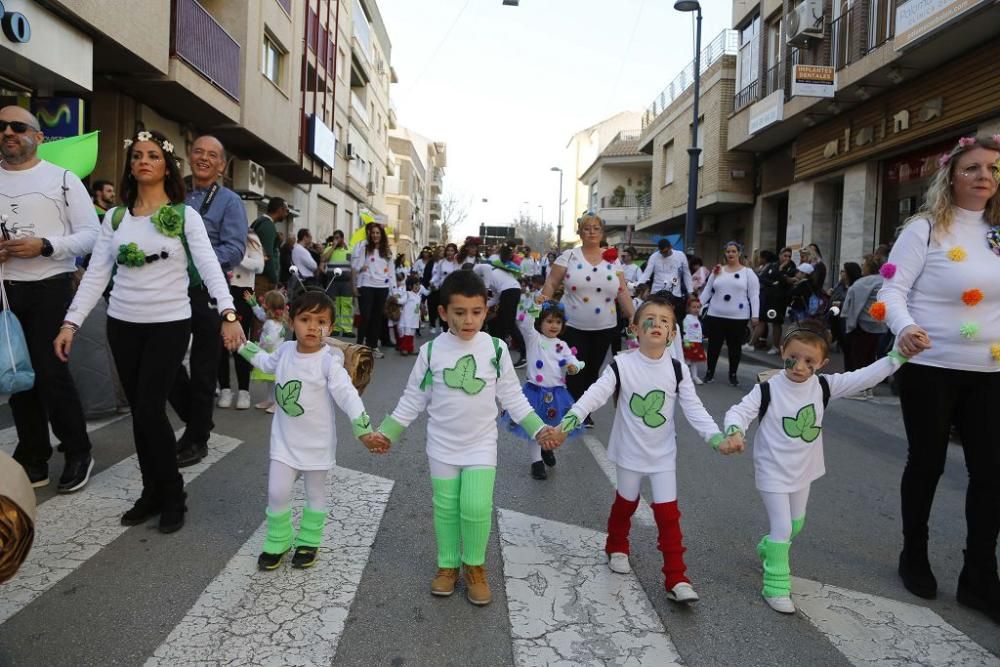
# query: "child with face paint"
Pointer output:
{"type": "Point", "coordinates": [309, 378]}
{"type": "Point", "coordinates": [788, 446]}
{"type": "Point", "coordinates": [694, 349]}
{"type": "Point", "coordinates": [648, 384]}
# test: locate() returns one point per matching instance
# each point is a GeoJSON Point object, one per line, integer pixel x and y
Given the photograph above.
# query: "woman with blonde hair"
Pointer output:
{"type": "Point", "coordinates": [940, 298]}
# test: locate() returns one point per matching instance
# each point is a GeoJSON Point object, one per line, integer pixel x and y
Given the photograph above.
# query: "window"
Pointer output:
{"type": "Point", "coordinates": [341, 64]}
{"type": "Point", "coordinates": [272, 61]}
{"type": "Point", "coordinates": [668, 163]}
{"type": "Point", "coordinates": [700, 141]}
{"type": "Point", "coordinates": [748, 64]}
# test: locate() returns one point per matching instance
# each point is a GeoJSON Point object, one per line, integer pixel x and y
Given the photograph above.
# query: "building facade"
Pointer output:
{"type": "Point", "coordinates": [413, 192]}
{"type": "Point", "coordinates": [618, 183]}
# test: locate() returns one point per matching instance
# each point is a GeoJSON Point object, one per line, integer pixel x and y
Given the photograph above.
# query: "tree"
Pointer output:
{"type": "Point", "coordinates": [453, 213]}
{"type": "Point", "coordinates": [536, 235]}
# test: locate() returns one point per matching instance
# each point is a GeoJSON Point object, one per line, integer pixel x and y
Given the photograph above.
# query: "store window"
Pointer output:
{"type": "Point", "coordinates": [905, 179]}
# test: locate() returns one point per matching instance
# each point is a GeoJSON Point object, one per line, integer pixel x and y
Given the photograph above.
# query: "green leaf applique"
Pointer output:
{"type": "Point", "coordinates": [287, 396]}
{"type": "Point", "coordinates": [803, 425]}
{"type": "Point", "coordinates": [569, 423]}
{"type": "Point", "coordinates": [648, 408]}
{"type": "Point", "coordinates": [463, 376]}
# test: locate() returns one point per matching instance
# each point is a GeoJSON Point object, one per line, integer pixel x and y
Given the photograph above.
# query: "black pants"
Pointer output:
{"type": "Point", "coordinates": [932, 399]}
{"type": "Point", "coordinates": [40, 306]}
{"type": "Point", "coordinates": [432, 309]}
{"type": "Point", "coordinates": [505, 323]}
{"type": "Point", "coordinates": [371, 303]}
{"type": "Point", "coordinates": [731, 332]}
{"type": "Point", "coordinates": [242, 366]}
{"type": "Point", "coordinates": [193, 397]}
{"type": "Point", "coordinates": [591, 348]}
{"type": "Point", "coordinates": [147, 357]}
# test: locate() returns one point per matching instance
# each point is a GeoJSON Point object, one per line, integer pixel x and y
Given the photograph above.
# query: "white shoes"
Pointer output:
{"type": "Point", "coordinates": [377, 353]}
{"type": "Point", "coordinates": [225, 399]}
{"type": "Point", "coordinates": [618, 562]}
{"type": "Point", "coordinates": [696, 379]}
{"type": "Point", "coordinates": [682, 592]}
{"type": "Point", "coordinates": [782, 604]}
{"type": "Point", "coordinates": [773, 351]}
{"type": "Point", "coordinates": [748, 348]}
{"type": "Point", "coordinates": [243, 400]}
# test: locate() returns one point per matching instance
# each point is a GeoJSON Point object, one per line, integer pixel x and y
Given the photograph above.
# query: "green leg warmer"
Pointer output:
{"type": "Point", "coordinates": [777, 575]}
{"type": "Point", "coordinates": [311, 528]}
{"type": "Point", "coordinates": [279, 532]}
{"type": "Point", "coordinates": [477, 513]}
{"type": "Point", "coordinates": [446, 521]}
{"type": "Point", "coordinates": [796, 529]}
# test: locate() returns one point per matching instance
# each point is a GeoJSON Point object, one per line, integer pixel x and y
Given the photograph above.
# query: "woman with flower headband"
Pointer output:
{"type": "Point", "coordinates": [154, 247]}
{"type": "Point", "coordinates": [732, 299]}
{"type": "Point", "coordinates": [593, 290]}
{"type": "Point", "coordinates": [942, 294]}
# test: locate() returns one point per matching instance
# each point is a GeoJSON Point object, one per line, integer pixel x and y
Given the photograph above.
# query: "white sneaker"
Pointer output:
{"type": "Point", "coordinates": [782, 604]}
{"type": "Point", "coordinates": [696, 379]}
{"type": "Point", "coordinates": [225, 399]}
{"type": "Point", "coordinates": [773, 351]}
{"type": "Point", "coordinates": [748, 348]}
{"type": "Point", "coordinates": [682, 592]}
{"type": "Point", "coordinates": [618, 562]}
{"type": "Point", "coordinates": [243, 400]}
{"type": "Point", "coordinates": [377, 353]}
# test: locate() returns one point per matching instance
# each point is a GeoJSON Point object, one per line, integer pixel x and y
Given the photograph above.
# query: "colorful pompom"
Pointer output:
{"type": "Point", "coordinates": [562, 362]}
{"type": "Point", "coordinates": [888, 270]}
{"type": "Point", "coordinates": [539, 378]}
{"type": "Point", "coordinates": [969, 330]}
{"type": "Point", "coordinates": [965, 142]}
{"type": "Point", "coordinates": [520, 317]}
{"type": "Point", "coordinates": [877, 311]}
{"type": "Point", "coordinates": [573, 350]}
{"type": "Point", "coordinates": [957, 254]}
{"type": "Point", "coordinates": [972, 297]}
{"type": "Point", "coordinates": [995, 351]}
{"type": "Point", "coordinates": [539, 364]}
{"type": "Point", "coordinates": [610, 254]}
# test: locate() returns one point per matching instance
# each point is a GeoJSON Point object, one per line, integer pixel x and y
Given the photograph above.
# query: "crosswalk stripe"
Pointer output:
{"type": "Point", "coordinates": [870, 630]}
{"type": "Point", "coordinates": [8, 436]}
{"type": "Point", "coordinates": [643, 513]}
{"type": "Point", "coordinates": [567, 607]}
{"type": "Point", "coordinates": [288, 616]}
{"type": "Point", "coordinates": [71, 529]}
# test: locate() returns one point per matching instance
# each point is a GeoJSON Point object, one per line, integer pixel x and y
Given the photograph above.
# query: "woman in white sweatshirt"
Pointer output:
{"type": "Point", "coordinates": [732, 295]}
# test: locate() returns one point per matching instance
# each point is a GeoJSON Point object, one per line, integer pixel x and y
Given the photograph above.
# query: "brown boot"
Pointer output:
{"type": "Point", "coordinates": [444, 583]}
{"type": "Point", "coordinates": [478, 589]}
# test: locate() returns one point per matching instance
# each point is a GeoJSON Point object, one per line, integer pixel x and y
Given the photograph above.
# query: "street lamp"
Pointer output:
{"type": "Point", "coordinates": [559, 224]}
{"type": "Point", "coordinates": [690, 222]}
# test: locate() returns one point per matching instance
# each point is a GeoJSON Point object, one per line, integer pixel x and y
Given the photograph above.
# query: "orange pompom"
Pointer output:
{"type": "Point", "coordinates": [972, 297]}
{"type": "Point", "coordinates": [995, 351]}
{"type": "Point", "coordinates": [877, 311]}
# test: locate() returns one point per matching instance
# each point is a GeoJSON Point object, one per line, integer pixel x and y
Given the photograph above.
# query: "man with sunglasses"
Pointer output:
{"type": "Point", "coordinates": [47, 220]}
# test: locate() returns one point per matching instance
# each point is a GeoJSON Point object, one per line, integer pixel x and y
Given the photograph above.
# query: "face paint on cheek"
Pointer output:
{"type": "Point", "coordinates": [789, 364]}
{"type": "Point", "coordinates": [647, 324]}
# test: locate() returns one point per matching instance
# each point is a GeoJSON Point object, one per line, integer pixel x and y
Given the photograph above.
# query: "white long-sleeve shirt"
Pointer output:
{"type": "Point", "coordinates": [643, 436]}
{"type": "Point", "coordinates": [669, 273]}
{"type": "Point", "coordinates": [409, 311]}
{"type": "Point", "coordinates": [303, 260]}
{"type": "Point", "coordinates": [157, 291]}
{"type": "Point", "coordinates": [441, 270]}
{"type": "Point", "coordinates": [788, 445]}
{"type": "Point", "coordinates": [461, 399]}
{"type": "Point", "coordinates": [548, 358]}
{"type": "Point", "coordinates": [734, 295]}
{"type": "Point", "coordinates": [929, 287]}
{"type": "Point", "coordinates": [32, 206]}
{"type": "Point", "coordinates": [370, 268]}
{"type": "Point", "coordinates": [253, 263]}
{"type": "Point", "coordinates": [306, 385]}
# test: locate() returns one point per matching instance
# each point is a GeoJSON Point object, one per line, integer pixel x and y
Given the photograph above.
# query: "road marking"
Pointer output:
{"type": "Point", "coordinates": [70, 529]}
{"type": "Point", "coordinates": [8, 436]}
{"type": "Point", "coordinates": [566, 607]}
{"type": "Point", "coordinates": [643, 513]}
{"type": "Point", "coordinates": [288, 616]}
{"type": "Point", "coordinates": [870, 630]}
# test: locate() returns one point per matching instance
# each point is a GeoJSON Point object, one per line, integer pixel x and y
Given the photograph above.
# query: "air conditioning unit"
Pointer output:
{"type": "Point", "coordinates": [249, 176]}
{"type": "Point", "coordinates": [804, 22]}
{"type": "Point", "coordinates": [350, 153]}
{"type": "Point", "coordinates": [371, 187]}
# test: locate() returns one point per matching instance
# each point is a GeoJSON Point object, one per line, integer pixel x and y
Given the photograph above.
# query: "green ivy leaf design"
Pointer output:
{"type": "Point", "coordinates": [803, 425]}
{"type": "Point", "coordinates": [287, 396]}
{"type": "Point", "coordinates": [463, 376]}
{"type": "Point", "coordinates": [569, 423]}
{"type": "Point", "coordinates": [648, 407]}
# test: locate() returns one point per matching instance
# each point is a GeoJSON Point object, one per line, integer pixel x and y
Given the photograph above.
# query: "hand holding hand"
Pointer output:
{"type": "Point", "coordinates": [376, 443]}
{"type": "Point", "coordinates": [550, 437]}
{"type": "Point", "coordinates": [733, 444]}
{"type": "Point", "coordinates": [249, 297]}
{"type": "Point", "coordinates": [232, 336]}
{"type": "Point", "coordinates": [912, 340]}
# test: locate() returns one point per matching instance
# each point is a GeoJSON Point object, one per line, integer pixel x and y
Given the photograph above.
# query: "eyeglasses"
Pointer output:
{"type": "Point", "coordinates": [974, 170]}
{"type": "Point", "coordinates": [17, 126]}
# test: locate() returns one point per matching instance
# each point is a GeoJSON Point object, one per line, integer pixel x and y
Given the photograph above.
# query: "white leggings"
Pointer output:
{"type": "Point", "coordinates": [446, 470]}
{"type": "Point", "coordinates": [664, 484]}
{"type": "Point", "coordinates": [781, 509]}
{"type": "Point", "coordinates": [281, 478]}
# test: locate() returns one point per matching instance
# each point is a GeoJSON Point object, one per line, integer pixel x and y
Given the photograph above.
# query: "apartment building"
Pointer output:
{"type": "Point", "coordinates": [413, 191]}
{"type": "Point", "coordinates": [725, 177]}
{"type": "Point", "coordinates": [618, 183]}
{"type": "Point", "coordinates": [847, 105]}
{"type": "Point", "coordinates": [274, 80]}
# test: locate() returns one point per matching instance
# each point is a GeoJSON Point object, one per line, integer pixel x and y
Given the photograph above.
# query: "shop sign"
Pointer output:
{"type": "Point", "coordinates": [768, 111]}
{"type": "Point", "coordinates": [813, 81]}
{"type": "Point", "coordinates": [917, 19]}
{"type": "Point", "coordinates": [886, 126]}
{"type": "Point", "coordinates": [322, 143]}
{"type": "Point", "coordinates": [60, 117]}
{"type": "Point", "coordinates": [15, 26]}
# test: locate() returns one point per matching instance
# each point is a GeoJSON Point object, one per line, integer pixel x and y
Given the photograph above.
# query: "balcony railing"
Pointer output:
{"type": "Point", "coordinates": [849, 44]}
{"type": "Point", "coordinates": [626, 201]}
{"type": "Point", "coordinates": [747, 96]}
{"type": "Point", "coordinates": [199, 40]}
{"type": "Point", "coordinates": [725, 43]}
{"type": "Point", "coordinates": [645, 206]}
{"type": "Point", "coordinates": [772, 79]}
{"type": "Point", "coordinates": [358, 108]}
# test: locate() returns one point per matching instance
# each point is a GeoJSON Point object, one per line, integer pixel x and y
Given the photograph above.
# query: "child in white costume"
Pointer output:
{"type": "Point", "coordinates": [649, 383]}
{"type": "Point", "coordinates": [694, 337]}
{"type": "Point", "coordinates": [409, 314]}
{"type": "Point", "coordinates": [309, 378]}
{"type": "Point", "coordinates": [457, 379]}
{"type": "Point", "coordinates": [788, 445]}
{"type": "Point", "coordinates": [274, 317]}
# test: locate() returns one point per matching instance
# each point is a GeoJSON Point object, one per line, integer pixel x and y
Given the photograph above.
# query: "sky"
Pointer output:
{"type": "Point", "coordinates": [507, 87]}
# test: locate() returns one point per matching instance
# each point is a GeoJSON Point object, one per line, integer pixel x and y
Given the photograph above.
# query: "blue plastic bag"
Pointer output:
{"type": "Point", "coordinates": [16, 374]}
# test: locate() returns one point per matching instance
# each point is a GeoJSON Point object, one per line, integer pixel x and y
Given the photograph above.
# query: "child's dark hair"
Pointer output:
{"type": "Point", "coordinates": [506, 253]}
{"type": "Point", "coordinates": [539, 280]}
{"type": "Point", "coordinates": [810, 332]}
{"type": "Point", "coordinates": [411, 282]}
{"type": "Point", "coordinates": [654, 301]}
{"type": "Point", "coordinates": [551, 309]}
{"type": "Point", "coordinates": [311, 301]}
{"type": "Point", "coordinates": [463, 283]}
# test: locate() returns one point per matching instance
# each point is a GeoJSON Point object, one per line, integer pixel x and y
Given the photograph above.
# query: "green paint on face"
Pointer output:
{"type": "Point", "coordinates": [789, 364]}
{"type": "Point", "coordinates": [647, 324]}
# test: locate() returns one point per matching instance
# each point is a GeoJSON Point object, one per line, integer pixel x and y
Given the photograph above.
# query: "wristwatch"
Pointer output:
{"type": "Point", "coordinates": [47, 248]}
{"type": "Point", "coordinates": [229, 316]}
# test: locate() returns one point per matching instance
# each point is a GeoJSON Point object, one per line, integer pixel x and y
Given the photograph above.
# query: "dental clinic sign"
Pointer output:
{"type": "Point", "coordinates": [15, 26]}
{"type": "Point", "coordinates": [918, 19]}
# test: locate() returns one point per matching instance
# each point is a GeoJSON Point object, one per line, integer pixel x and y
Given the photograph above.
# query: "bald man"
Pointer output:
{"type": "Point", "coordinates": [48, 220]}
{"type": "Point", "coordinates": [193, 396]}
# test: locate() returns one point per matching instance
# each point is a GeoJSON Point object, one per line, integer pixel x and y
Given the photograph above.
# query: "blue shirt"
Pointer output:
{"type": "Point", "coordinates": [225, 222]}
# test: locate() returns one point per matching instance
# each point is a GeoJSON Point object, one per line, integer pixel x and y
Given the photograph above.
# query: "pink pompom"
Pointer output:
{"type": "Point", "coordinates": [965, 142]}
{"type": "Point", "coordinates": [943, 160]}
{"type": "Point", "coordinates": [888, 270]}
{"type": "Point", "coordinates": [520, 318]}
{"type": "Point", "coordinates": [539, 378]}
{"type": "Point", "coordinates": [573, 350]}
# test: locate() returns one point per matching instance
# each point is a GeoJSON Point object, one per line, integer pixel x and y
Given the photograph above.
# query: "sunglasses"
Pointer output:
{"type": "Point", "coordinates": [17, 126]}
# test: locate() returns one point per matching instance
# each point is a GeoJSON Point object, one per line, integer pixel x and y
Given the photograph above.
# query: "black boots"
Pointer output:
{"type": "Point", "coordinates": [979, 585]}
{"type": "Point", "coordinates": [915, 571]}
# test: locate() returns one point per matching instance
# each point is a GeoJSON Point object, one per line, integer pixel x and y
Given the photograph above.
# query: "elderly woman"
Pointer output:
{"type": "Point", "coordinates": [732, 297]}
{"type": "Point", "coordinates": [371, 265]}
{"type": "Point", "coordinates": [941, 298]}
{"type": "Point", "coordinates": [591, 286]}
